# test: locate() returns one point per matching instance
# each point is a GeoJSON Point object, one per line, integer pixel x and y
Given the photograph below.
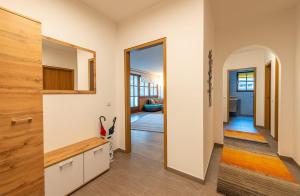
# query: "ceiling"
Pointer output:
{"type": "Point", "coordinates": [228, 12]}
{"type": "Point", "coordinates": [148, 60]}
{"type": "Point", "coordinates": [118, 10]}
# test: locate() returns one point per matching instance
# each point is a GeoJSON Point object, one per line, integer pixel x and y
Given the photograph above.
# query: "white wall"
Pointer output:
{"type": "Point", "coordinates": [248, 58]}
{"type": "Point", "coordinates": [60, 56]}
{"type": "Point", "coordinates": [71, 118]}
{"type": "Point", "coordinates": [209, 44]}
{"type": "Point", "coordinates": [83, 69]}
{"type": "Point", "coordinates": [277, 32]}
{"type": "Point", "coordinates": [297, 91]}
{"type": "Point", "coordinates": [181, 22]}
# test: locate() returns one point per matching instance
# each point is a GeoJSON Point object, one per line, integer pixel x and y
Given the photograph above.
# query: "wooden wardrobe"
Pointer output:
{"type": "Point", "coordinates": [21, 107]}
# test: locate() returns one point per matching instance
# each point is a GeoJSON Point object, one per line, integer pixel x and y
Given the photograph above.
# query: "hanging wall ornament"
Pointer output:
{"type": "Point", "coordinates": [209, 81]}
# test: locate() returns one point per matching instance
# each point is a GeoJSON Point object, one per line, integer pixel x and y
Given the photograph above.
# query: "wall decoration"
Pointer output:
{"type": "Point", "coordinates": [209, 81]}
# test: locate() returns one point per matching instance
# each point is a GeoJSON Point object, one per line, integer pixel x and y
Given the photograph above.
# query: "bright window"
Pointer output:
{"type": "Point", "coordinates": [134, 90]}
{"type": "Point", "coordinates": [245, 81]}
{"type": "Point", "coordinates": [144, 88]}
{"type": "Point", "coordinates": [153, 90]}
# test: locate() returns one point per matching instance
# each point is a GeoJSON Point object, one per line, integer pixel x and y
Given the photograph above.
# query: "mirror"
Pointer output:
{"type": "Point", "coordinates": [67, 68]}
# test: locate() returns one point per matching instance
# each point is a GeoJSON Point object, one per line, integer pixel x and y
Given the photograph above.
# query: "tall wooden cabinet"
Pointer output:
{"type": "Point", "coordinates": [21, 109]}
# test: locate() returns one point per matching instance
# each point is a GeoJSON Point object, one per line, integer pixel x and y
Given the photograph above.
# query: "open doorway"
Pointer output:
{"type": "Point", "coordinates": [272, 90]}
{"type": "Point", "coordinates": [241, 99]}
{"type": "Point", "coordinates": [256, 67]}
{"type": "Point", "coordinates": [145, 98]}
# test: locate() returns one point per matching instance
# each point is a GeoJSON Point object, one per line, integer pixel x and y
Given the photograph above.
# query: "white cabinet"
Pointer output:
{"type": "Point", "coordinates": [70, 167]}
{"type": "Point", "coordinates": [96, 161]}
{"type": "Point", "coordinates": [64, 177]}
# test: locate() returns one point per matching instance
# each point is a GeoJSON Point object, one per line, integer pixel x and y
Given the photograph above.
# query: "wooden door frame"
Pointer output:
{"type": "Point", "coordinates": [127, 51]}
{"type": "Point", "coordinates": [265, 102]}
{"type": "Point", "coordinates": [254, 92]}
{"type": "Point", "coordinates": [276, 98]}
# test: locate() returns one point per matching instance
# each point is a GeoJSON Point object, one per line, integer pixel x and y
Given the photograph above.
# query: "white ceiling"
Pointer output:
{"type": "Point", "coordinates": [118, 10]}
{"type": "Point", "coordinates": [148, 60]}
{"type": "Point", "coordinates": [228, 12]}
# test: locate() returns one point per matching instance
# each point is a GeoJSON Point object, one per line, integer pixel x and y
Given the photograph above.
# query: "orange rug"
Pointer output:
{"type": "Point", "coordinates": [260, 163]}
{"type": "Point", "coordinates": [255, 137]}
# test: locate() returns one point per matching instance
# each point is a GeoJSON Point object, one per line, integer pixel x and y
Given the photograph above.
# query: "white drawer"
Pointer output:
{"type": "Point", "coordinates": [96, 161]}
{"type": "Point", "coordinates": [64, 177]}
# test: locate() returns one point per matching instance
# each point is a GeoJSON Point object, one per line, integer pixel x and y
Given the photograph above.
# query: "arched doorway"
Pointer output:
{"type": "Point", "coordinates": [261, 101]}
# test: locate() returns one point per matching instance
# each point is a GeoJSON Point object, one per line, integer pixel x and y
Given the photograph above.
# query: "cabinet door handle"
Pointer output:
{"type": "Point", "coordinates": [98, 150]}
{"type": "Point", "coordinates": [66, 164]}
{"type": "Point", "coordinates": [15, 120]}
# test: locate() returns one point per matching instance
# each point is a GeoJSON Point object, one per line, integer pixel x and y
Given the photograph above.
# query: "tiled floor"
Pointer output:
{"type": "Point", "coordinates": [141, 173]}
{"type": "Point", "coordinates": [241, 123]}
{"type": "Point", "coordinates": [148, 144]}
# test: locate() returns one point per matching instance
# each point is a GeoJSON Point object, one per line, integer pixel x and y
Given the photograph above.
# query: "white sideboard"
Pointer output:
{"type": "Point", "coordinates": [71, 167]}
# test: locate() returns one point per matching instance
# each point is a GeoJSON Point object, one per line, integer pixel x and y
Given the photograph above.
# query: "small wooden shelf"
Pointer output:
{"type": "Point", "coordinates": [72, 150]}
{"type": "Point", "coordinates": [68, 92]}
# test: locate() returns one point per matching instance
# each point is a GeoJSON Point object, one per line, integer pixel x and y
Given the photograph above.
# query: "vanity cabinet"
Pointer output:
{"type": "Point", "coordinates": [69, 168]}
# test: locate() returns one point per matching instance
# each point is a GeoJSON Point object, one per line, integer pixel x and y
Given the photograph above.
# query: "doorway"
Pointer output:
{"type": "Point", "coordinates": [268, 96]}
{"type": "Point", "coordinates": [241, 93]}
{"type": "Point", "coordinates": [135, 91]}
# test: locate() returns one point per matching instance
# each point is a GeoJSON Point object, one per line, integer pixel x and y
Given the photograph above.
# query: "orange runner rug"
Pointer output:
{"type": "Point", "coordinates": [255, 137]}
{"type": "Point", "coordinates": [260, 163]}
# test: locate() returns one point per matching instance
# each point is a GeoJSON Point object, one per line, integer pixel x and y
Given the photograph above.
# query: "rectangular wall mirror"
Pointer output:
{"type": "Point", "coordinates": [67, 69]}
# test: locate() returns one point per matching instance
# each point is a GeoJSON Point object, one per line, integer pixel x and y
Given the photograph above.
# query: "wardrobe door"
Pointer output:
{"type": "Point", "coordinates": [21, 113]}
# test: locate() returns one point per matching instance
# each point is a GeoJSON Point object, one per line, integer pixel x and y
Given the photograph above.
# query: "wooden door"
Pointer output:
{"type": "Point", "coordinates": [268, 97]}
{"type": "Point", "coordinates": [21, 115]}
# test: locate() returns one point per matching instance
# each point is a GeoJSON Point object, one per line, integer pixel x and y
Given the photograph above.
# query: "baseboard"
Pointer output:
{"type": "Point", "coordinates": [119, 150]}
{"type": "Point", "coordinates": [289, 159]}
{"type": "Point", "coordinates": [259, 126]}
{"type": "Point", "coordinates": [185, 175]}
{"type": "Point", "coordinates": [209, 163]}
{"type": "Point", "coordinates": [218, 145]}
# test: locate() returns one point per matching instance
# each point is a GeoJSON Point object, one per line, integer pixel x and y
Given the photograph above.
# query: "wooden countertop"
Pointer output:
{"type": "Point", "coordinates": [66, 152]}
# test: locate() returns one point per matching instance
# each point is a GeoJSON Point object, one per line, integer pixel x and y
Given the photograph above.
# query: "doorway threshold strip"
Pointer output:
{"type": "Point", "coordinates": [254, 137]}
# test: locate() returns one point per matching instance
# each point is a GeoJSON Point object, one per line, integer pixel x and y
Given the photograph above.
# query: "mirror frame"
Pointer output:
{"type": "Point", "coordinates": [72, 91]}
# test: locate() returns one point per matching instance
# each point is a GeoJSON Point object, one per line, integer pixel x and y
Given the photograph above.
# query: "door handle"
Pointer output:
{"type": "Point", "coordinates": [98, 150]}
{"type": "Point", "coordinates": [14, 121]}
{"type": "Point", "coordinates": [65, 164]}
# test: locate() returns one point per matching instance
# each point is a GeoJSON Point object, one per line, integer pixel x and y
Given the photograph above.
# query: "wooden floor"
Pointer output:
{"type": "Point", "coordinates": [142, 173]}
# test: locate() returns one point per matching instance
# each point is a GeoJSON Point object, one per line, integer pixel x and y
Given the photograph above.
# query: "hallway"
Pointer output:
{"type": "Point", "coordinates": [241, 123]}
{"type": "Point", "coordinates": [245, 158]}
{"type": "Point", "coordinates": [141, 173]}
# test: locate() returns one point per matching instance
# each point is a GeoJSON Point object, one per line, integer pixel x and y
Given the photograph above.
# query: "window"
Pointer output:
{"type": "Point", "coordinates": [134, 90]}
{"type": "Point", "coordinates": [153, 90]}
{"type": "Point", "coordinates": [148, 89]}
{"type": "Point", "coordinates": [144, 88]}
{"type": "Point", "coordinates": [245, 81]}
